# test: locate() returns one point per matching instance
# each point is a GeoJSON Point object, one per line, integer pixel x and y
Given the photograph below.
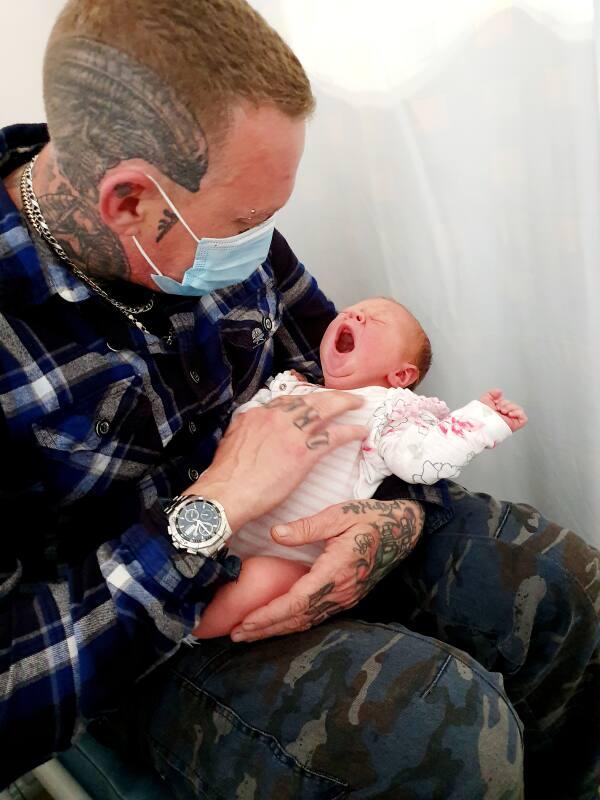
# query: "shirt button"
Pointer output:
{"type": "Point", "coordinates": [192, 427]}
{"type": "Point", "coordinates": [102, 427]}
{"type": "Point", "coordinates": [283, 386]}
{"type": "Point", "coordinates": [193, 474]}
{"type": "Point", "coordinates": [267, 323]}
{"type": "Point", "coordinates": [194, 376]}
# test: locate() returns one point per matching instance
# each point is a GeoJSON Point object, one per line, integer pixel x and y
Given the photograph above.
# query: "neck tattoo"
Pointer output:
{"type": "Point", "coordinates": [33, 212]}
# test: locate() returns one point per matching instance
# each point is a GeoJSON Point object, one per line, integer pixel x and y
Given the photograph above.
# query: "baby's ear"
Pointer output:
{"type": "Point", "coordinates": [407, 375]}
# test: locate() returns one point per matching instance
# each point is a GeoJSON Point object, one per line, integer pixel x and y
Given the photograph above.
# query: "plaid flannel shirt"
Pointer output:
{"type": "Point", "coordinates": [99, 424]}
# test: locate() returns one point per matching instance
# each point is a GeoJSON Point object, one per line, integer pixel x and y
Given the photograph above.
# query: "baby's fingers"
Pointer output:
{"type": "Point", "coordinates": [507, 406]}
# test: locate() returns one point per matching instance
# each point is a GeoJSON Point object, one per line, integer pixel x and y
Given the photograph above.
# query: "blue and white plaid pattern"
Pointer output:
{"type": "Point", "coordinates": [99, 424]}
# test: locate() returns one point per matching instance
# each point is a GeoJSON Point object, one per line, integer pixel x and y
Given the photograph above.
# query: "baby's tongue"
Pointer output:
{"type": "Point", "coordinates": [345, 343]}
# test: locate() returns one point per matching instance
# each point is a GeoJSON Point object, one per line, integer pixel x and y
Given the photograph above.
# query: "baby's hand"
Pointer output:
{"type": "Point", "coordinates": [298, 376]}
{"type": "Point", "coordinates": [511, 413]}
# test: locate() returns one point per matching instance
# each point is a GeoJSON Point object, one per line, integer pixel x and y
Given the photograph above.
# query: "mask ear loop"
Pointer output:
{"type": "Point", "coordinates": [168, 201]}
{"type": "Point", "coordinates": [146, 256]}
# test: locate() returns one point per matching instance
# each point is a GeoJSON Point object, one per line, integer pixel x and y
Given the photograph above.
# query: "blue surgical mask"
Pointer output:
{"type": "Point", "coordinates": [218, 262]}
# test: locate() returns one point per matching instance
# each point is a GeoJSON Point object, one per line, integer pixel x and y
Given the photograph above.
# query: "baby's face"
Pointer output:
{"type": "Point", "coordinates": [367, 344]}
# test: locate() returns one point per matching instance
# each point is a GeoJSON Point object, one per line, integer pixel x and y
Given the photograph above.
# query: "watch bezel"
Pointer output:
{"type": "Point", "coordinates": [217, 541]}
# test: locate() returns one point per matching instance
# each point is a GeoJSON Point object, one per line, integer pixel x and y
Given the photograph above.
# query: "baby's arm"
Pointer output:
{"type": "Point", "coordinates": [426, 449]}
{"type": "Point", "coordinates": [262, 579]}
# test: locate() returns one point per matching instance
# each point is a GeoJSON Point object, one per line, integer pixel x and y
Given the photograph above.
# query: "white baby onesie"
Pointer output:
{"type": "Point", "coordinates": [414, 437]}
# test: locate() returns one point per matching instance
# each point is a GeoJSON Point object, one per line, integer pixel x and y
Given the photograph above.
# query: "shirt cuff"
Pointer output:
{"type": "Point", "coordinates": [494, 424]}
{"type": "Point", "coordinates": [182, 575]}
{"type": "Point", "coordinates": [434, 499]}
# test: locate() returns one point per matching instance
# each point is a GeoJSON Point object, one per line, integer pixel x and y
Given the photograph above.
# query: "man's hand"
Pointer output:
{"type": "Point", "coordinates": [511, 413]}
{"type": "Point", "coordinates": [365, 540]}
{"type": "Point", "coordinates": [267, 451]}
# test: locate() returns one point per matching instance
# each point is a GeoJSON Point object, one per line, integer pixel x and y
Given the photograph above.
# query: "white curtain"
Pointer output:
{"type": "Point", "coordinates": [453, 162]}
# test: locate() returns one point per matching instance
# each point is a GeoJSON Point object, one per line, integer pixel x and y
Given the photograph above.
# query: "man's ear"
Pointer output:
{"type": "Point", "coordinates": [122, 202]}
{"type": "Point", "coordinates": [403, 377]}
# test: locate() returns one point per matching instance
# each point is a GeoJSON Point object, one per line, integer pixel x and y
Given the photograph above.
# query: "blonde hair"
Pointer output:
{"type": "Point", "coordinates": [109, 59]}
{"type": "Point", "coordinates": [423, 354]}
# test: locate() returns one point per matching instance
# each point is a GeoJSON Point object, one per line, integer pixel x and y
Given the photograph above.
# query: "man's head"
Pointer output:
{"type": "Point", "coordinates": [376, 342]}
{"type": "Point", "coordinates": [201, 94]}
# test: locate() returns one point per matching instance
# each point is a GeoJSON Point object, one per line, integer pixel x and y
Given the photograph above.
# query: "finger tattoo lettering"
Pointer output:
{"type": "Point", "coordinates": [286, 404]}
{"type": "Point", "coordinates": [319, 440]}
{"type": "Point", "coordinates": [307, 418]}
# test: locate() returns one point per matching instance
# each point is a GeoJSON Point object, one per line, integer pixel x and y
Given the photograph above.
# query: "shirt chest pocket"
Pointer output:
{"type": "Point", "coordinates": [252, 325]}
{"type": "Point", "coordinates": [99, 439]}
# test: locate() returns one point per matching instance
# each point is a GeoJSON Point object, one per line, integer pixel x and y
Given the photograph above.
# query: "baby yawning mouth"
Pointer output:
{"type": "Point", "coordinates": [345, 340]}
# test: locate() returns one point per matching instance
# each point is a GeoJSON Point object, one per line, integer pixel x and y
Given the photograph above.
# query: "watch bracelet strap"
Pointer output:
{"type": "Point", "coordinates": [172, 503]}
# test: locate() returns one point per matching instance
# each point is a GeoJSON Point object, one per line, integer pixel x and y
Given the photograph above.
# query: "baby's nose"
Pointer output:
{"type": "Point", "coordinates": [357, 315]}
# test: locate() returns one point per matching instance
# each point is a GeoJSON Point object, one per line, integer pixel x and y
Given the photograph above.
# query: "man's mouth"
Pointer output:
{"type": "Point", "coordinates": [344, 342]}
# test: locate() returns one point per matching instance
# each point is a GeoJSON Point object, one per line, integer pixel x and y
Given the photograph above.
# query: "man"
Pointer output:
{"type": "Point", "coordinates": [131, 323]}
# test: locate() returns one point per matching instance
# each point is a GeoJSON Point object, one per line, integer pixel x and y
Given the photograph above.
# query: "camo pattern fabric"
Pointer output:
{"type": "Point", "coordinates": [471, 671]}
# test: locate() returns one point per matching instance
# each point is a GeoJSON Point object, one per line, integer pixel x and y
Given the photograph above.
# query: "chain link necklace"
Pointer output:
{"type": "Point", "coordinates": [34, 214]}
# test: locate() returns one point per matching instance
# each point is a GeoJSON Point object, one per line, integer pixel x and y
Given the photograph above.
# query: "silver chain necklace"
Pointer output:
{"type": "Point", "coordinates": [34, 214]}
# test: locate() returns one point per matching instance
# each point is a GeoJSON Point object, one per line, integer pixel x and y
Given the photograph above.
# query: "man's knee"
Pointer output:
{"type": "Point", "coordinates": [460, 736]}
{"type": "Point", "coordinates": [370, 707]}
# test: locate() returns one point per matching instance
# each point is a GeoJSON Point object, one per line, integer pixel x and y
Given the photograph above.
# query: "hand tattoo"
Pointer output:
{"type": "Point", "coordinates": [363, 543]}
{"type": "Point", "coordinates": [319, 608]}
{"type": "Point", "coordinates": [391, 537]}
{"type": "Point", "coordinates": [307, 416]}
{"type": "Point", "coordinates": [319, 440]}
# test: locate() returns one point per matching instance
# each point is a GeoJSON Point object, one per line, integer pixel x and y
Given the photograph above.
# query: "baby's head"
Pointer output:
{"type": "Point", "coordinates": [376, 342]}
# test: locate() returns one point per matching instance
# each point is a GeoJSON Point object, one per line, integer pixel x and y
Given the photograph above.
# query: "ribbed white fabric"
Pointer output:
{"type": "Point", "coordinates": [414, 437]}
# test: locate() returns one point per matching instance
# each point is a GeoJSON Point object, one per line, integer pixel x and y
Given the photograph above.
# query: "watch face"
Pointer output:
{"type": "Point", "coordinates": [198, 522]}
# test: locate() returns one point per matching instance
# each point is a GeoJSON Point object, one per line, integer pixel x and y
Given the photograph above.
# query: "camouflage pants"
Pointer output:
{"type": "Point", "coordinates": [385, 702]}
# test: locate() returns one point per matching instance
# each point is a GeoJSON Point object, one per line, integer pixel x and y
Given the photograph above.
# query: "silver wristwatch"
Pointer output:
{"type": "Point", "coordinates": [198, 525]}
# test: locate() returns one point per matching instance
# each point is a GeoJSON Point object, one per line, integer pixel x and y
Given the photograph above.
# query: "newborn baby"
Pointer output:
{"type": "Point", "coordinates": [379, 351]}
